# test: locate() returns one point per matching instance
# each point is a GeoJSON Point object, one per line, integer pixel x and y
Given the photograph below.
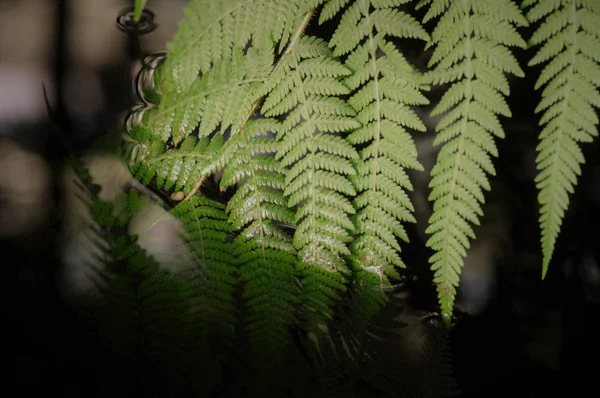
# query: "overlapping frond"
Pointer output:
{"type": "Point", "coordinates": [226, 92]}
{"type": "Point", "coordinates": [143, 311]}
{"type": "Point", "coordinates": [150, 318]}
{"type": "Point", "coordinates": [383, 86]}
{"type": "Point", "coordinates": [208, 239]}
{"type": "Point", "coordinates": [569, 37]}
{"type": "Point", "coordinates": [263, 247]}
{"type": "Point", "coordinates": [214, 30]}
{"type": "Point", "coordinates": [302, 91]}
{"type": "Point", "coordinates": [175, 169]}
{"type": "Point", "coordinates": [221, 52]}
{"type": "Point", "coordinates": [470, 51]}
{"type": "Point", "coordinates": [211, 79]}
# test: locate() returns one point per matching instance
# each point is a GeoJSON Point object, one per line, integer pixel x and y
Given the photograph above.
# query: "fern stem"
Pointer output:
{"type": "Point", "coordinates": [299, 32]}
{"type": "Point", "coordinates": [195, 188]}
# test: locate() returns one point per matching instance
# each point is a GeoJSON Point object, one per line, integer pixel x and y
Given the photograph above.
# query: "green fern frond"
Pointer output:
{"type": "Point", "coordinates": [149, 315]}
{"type": "Point", "coordinates": [263, 249]}
{"type": "Point", "coordinates": [176, 169]}
{"type": "Point", "coordinates": [143, 308]}
{"type": "Point", "coordinates": [207, 234]}
{"type": "Point", "coordinates": [383, 86]}
{"type": "Point", "coordinates": [212, 79]}
{"type": "Point", "coordinates": [227, 91]}
{"type": "Point", "coordinates": [570, 39]}
{"type": "Point", "coordinates": [220, 55]}
{"type": "Point", "coordinates": [213, 30]}
{"type": "Point", "coordinates": [470, 52]}
{"type": "Point", "coordinates": [318, 164]}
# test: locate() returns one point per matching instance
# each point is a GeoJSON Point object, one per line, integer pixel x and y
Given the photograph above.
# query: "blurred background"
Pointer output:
{"type": "Point", "coordinates": [71, 54]}
{"type": "Point", "coordinates": [74, 51]}
{"type": "Point", "coordinates": [521, 336]}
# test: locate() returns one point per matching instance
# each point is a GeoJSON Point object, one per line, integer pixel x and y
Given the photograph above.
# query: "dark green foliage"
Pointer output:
{"type": "Point", "coordinates": [147, 315]}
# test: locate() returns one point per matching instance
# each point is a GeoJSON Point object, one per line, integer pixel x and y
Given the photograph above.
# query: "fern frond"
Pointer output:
{"type": "Point", "coordinates": [149, 315]}
{"type": "Point", "coordinates": [470, 51]}
{"type": "Point", "coordinates": [176, 169]}
{"type": "Point", "coordinates": [220, 55]}
{"type": "Point", "coordinates": [212, 79]}
{"type": "Point", "coordinates": [207, 234]}
{"type": "Point", "coordinates": [263, 248]}
{"type": "Point", "coordinates": [383, 86]}
{"type": "Point", "coordinates": [317, 159]}
{"type": "Point", "coordinates": [143, 312]}
{"type": "Point", "coordinates": [227, 91]}
{"type": "Point", "coordinates": [570, 39]}
{"type": "Point", "coordinates": [212, 31]}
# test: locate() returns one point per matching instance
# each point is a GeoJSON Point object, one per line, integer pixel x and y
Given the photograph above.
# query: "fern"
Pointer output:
{"type": "Point", "coordinates": [214, 70]}
{"type": "Point", "coordinates": [264, 250]}
{"type": "Point", "coordinates": [191, 156]}
{"type": "Point", "coordinates": [174, 169]}
{"type": "Point", "coordinates": [305, 84]}
{"type": "Point", "coordinates": [214, 31]}
{"type": "Point", "coordinates": [470, 51]}
{"type": "Point", "coordinates": [144, 315]}
{"type": "Point", "coordinates": [313, 139]}
{"type": "Point", "coordinates": [223, 65]}
{"type": "Point", "coordinates": [570, 40]}
{"type": "Point", "coordinates": [383, 87]}
{"type": "Point", "coordinates": [207, 230]}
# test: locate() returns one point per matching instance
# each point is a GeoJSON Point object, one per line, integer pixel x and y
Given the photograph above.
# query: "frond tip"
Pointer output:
{"type": "Point", "coordinates": [470, 52]}
{"type": "Point", "coordinates": [570, 40]}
